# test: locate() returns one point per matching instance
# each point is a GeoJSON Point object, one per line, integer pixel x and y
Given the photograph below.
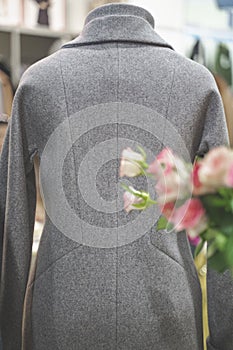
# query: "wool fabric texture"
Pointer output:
{"type": "Point", "coordinates": [141, 295]}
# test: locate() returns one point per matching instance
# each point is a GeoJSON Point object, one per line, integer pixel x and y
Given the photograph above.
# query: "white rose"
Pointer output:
{"type": "Point", "coordinates": [130, 163]}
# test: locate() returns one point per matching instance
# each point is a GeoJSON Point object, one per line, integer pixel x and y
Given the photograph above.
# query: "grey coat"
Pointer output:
{"type": "Point", "coordinates": [104, 279]}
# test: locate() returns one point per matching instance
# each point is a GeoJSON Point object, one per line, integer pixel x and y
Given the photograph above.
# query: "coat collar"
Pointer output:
{"type": "Point", "coordinates": [118, 23]}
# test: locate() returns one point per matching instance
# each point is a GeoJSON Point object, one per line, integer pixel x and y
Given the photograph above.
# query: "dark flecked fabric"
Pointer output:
{"type": "Point", "coordinates": [119, 82]}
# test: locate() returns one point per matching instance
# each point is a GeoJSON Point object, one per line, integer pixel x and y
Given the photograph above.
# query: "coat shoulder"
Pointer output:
{"type": "Point", "coordinates": [195, 72]}
{"type": "Point", "coordinates": [43, 72]}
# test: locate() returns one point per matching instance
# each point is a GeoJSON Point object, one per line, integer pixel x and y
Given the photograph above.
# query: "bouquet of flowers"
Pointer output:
{"type": "Point", "coordinates": [197, 198]}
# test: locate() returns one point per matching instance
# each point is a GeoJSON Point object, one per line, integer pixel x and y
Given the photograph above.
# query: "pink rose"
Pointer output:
{"type": "Point", "coordinates": [173, 186]}
{"type": "Point", "coordinates": [167, 188]}
{"type": "Point", "coordinates": [229, 177]}
{"type": "Point", "coordinates": [190, 216]}
{"type": "Point", "coordinates": [198, 187]}
{"type": "Point", "coordinates": [129, 200]}
{"type": "Point", "coordinates": [195, 175]}
{"type": "Point", "coordinates": [200, 227]}
{"type": "Point", "coordinates": [216, 167]}
{"type": "Point", "coordinates": [164, 162]}
{"type": "Point", "coordinates": [167, 210]}
{"type": "Point", "coordinates": [130, 163]}
{"type": "Point", "coordinates": [172, 175]}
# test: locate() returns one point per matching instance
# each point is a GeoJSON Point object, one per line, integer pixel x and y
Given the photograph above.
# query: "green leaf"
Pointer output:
{"type": "Point", "coordinates": [161, 223]}
{"type": "Point", "coordinates": [143, 165]}
{"type": "Point", "coordinates": [141, 150]}
{"type": "Point", "coordinates": [140, 206]}
{"type": "Point", "coordinates": [199, 248]}
{"type": "Point", "coordinates": [226, 192]}
{"type": "Point", "coordinates": [221, 241]}
{"type": "Point", "coordinates": [132, 190]}
{"type": "Point", "coordinates": [228, 253]}
{"type": "Point", "coordinates": [144, 204]}
{"type": "Point", "coordinates": [145, 195]}
{"type": "Point", "coordinates": [220, 252]}
{"type": "Point", "coordinates": [151, 201]}
{"type": "Point", "coordinates": [197, 158]}
{"type": "Point", "coordinates": [209, 234]}
{"type": "Point", "coordinates": [217, 262]}
{"type": "Point", "coordinates": [213, 200]}
{"type": "Point", "coordinates": [125, 187]}
{"type": "Point", "coordinates": [219, 217]}
{"type": "Point", "coordinates": [218, 202]}
{"type": "Point", "coordinates": [231, 205]}
{"type": "Point", "coordinates": [211, 250]}
{"type": "Point", "coordinates": [170, 226]}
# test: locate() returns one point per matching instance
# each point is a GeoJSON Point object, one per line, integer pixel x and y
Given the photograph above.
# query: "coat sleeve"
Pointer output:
{"type": "Point", "coordinates": [17, 211]}
{"type": "Point", "coordinates": [219, 286]}
{"type": "Point", "coordinates": [220, 310]}
{"type": "Point", "coordinates": [214, 132]}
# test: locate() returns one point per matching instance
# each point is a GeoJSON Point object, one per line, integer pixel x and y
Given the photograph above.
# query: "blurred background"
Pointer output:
{"type": "Point", "coordinates": [201, 30]}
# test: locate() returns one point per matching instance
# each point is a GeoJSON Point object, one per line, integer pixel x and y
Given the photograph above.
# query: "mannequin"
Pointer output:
{"type": "Point", "coordinates": [104, 279]}
{"type": "Point", "coordinates": [43, 18]}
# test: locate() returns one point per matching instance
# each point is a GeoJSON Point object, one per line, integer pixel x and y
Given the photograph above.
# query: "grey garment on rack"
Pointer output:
{"type": "Point", "coordinates": [223, 62]}
{"type": "Point", "coordinates": [1, 99]}
{"type": "Point", "coordinates": [119, 283]}
{"type": "Point", "coordinates": [198, 52]}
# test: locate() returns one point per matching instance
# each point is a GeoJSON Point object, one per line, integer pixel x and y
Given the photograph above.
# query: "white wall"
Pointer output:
{"type": "Point", "coordinates": [206, 14]}
{"type": "Point", "coordinates": [167, 13]}
{"type": "Point", "coordinates": [173, 18]}
{"type": "Point", "coordinates": [76, 13]}
{"type": "Point", "coordinates": [169, 18]}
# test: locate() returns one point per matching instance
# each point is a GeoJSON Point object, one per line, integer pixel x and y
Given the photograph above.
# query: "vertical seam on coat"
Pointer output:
{"type": "Point", "coordinates": [169, 98]}
{"type": "Point", "coordinates": [118, 84]}
{"type": "Point", "coordinates": [168, 105]}
{"type": "Point", "coordinates": [67, 115]}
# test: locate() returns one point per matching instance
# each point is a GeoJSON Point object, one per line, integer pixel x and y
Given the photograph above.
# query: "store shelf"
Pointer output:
{"type": "Point", "coordinates": [37, 31]}
{"type": "Point", "coordinates": [206, 33]}
{"type": "Point", "coordinates": [21, 46]}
